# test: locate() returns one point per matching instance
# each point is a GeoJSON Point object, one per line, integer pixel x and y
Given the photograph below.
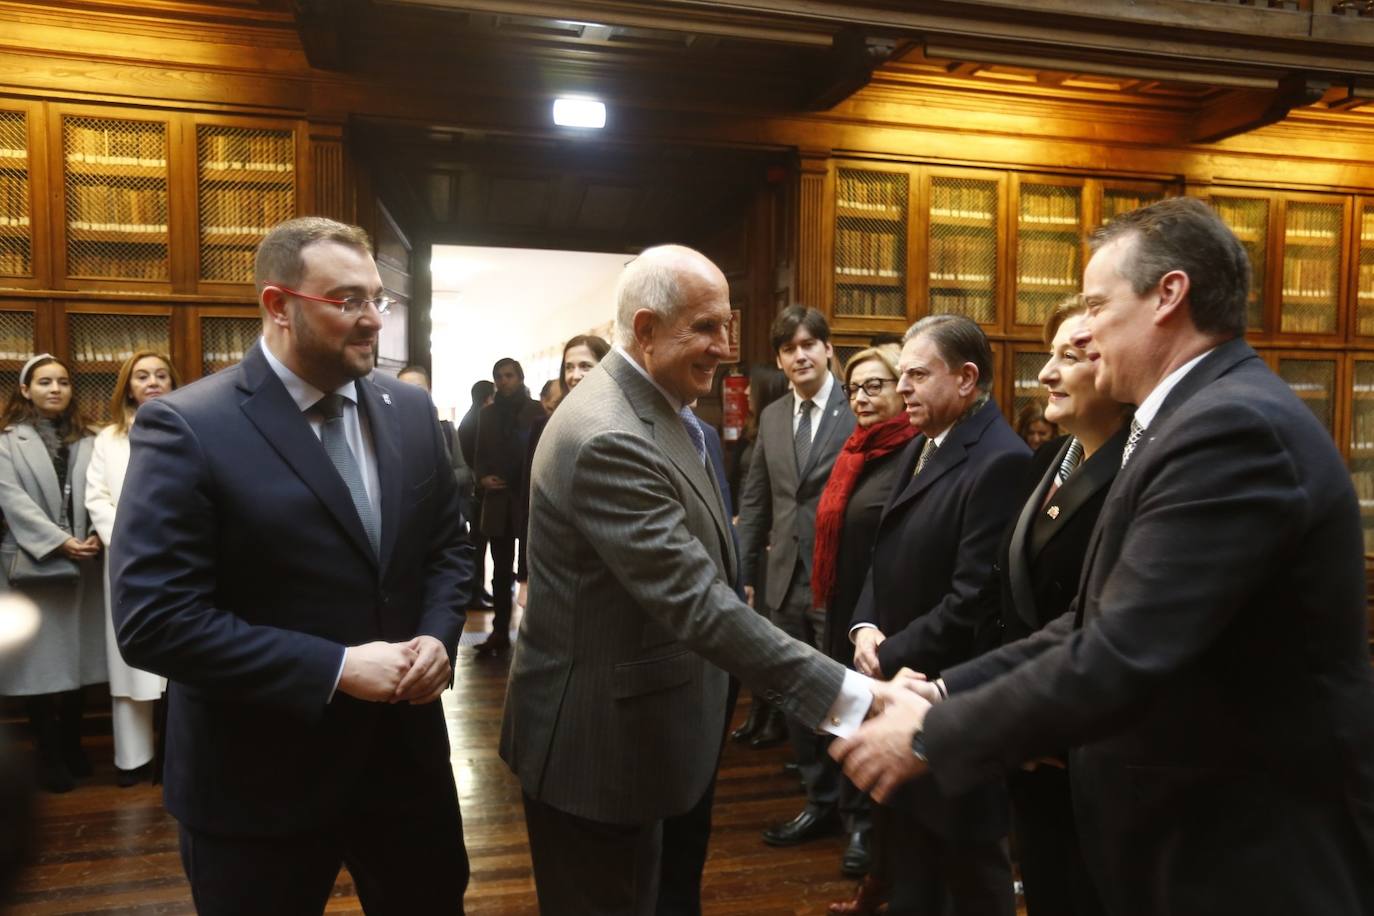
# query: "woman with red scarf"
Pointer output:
{"type": "Point", "coordinates": [846, 525]}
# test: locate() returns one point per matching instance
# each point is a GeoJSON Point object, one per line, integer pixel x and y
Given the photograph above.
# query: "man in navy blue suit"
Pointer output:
{"type": "Point", "coordinates": [288, 551]}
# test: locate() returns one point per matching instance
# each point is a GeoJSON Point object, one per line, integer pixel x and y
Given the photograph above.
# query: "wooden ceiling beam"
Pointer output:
{"type": "Point", "coordinates": [1241, 112]}
{"type": "Point", "coordinates": [320, 25]}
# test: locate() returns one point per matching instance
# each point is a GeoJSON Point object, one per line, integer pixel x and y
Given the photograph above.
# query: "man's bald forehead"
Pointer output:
{"type": "Point", "coordinates": [682, 261]}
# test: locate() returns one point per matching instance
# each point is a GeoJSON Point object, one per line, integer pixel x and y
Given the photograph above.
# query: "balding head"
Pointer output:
{"type": "Point", "coordinates": [660, 280]}
{"type": "Point", "coordinates": [672, 308]}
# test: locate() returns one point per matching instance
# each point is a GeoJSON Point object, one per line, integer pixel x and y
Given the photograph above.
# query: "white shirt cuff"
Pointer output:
{"type": "Point", "coordinates": [860, 626]}
{"type": "Point", "coordinates": [850, 707]}
{"type": "Point", "coordinates": [343, 659]}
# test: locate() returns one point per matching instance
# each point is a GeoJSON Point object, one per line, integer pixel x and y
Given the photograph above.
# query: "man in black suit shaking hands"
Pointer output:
{"type": "Point", "coordinates": [1214, 681]}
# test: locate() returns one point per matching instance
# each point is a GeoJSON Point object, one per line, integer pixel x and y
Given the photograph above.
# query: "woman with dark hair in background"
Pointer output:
{"type": "Point", "coordinates": [764, 726]}
{"type": "Point", "coordinates": [1032, 426]}
{"type": "Point", "coordinates": [502, 438]}
{"type": "Point", "coordinates": [133, 693]}
{"type": "Point", "coordinates": [49, 554]}
{"type": "Point", "coordinates": [581, 354]}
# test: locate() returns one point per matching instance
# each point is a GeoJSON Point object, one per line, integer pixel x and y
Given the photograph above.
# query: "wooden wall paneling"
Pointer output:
{"type": "Point", "coordinates": [815, 236]}
{"type": "Point", "coordinates": [330, 191]}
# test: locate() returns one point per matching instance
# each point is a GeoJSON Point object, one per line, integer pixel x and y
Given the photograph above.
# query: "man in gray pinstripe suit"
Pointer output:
{"type": "Point", "coordinates": [617, 699]}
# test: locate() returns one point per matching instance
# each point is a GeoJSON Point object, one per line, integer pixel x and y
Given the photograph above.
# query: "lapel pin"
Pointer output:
{"type": "Point", "coordinates": [386, 399]}
{"type": "Point", "coordinates": [1052, 512]}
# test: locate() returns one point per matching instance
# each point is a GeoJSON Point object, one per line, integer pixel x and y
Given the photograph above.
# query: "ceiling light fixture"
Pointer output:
{"type": "Point", "coordinates": [572, 111]}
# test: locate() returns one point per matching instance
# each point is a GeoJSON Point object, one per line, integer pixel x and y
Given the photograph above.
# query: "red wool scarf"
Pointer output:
{"type": "Point", "coordinates": [863, 446]}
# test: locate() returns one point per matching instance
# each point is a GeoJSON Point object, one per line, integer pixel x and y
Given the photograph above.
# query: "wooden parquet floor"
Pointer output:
{"type": "Point", "coordinates": [102, 849]}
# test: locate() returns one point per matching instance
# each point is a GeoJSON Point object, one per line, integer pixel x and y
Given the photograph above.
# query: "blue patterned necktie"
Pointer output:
{"type": "Point", "coordinates": [693, 427]}
{"type": "Point", "coordinates": [335, 442]}
{"type": "Point", "coordinates": [1136, 432]}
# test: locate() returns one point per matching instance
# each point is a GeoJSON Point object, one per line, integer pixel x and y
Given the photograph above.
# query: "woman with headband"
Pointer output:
{"type": "Point", "coordinates": [133, 693]}
{"type": "Point", "coordinates": [49, 553]}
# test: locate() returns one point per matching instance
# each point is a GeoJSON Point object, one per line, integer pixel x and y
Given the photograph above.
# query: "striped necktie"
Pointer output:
{"type": "Point", "coordinates": [927, 452]}
{"type": "Point", "coordinates": [1072, 458]}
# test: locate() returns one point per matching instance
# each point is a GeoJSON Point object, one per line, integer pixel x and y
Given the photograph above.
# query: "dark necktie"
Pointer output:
{"type": "Point", "coordinates": [693, 427]}
{"type": "Point", "coordinates": [927, 452]}
{"type": "Point", "coordinates": [335, 442]}
{"type": "Point", "coordinates": [802, 442]}
{"type": "Point", "coordinates": [1072, 458]}
{"type": "Point", "coordinates": [1136, 432]}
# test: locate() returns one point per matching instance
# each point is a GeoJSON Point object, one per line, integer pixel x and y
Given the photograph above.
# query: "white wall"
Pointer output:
{"type": "Point", "coordinates": [495, 302]}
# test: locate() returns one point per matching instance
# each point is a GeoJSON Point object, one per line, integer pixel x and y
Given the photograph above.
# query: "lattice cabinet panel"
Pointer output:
{"type": "Point", "coordinates": [99, 343]}
{"type": "Point", "coordinates": [1049, 250]}
{"type": "Point", "coordinates": [245, 185]}
{"type": "Point", "coordinates": [963, 247]}
{"type": "Point", "coordinates": [871, 210]}
{"type": "Point", "coordinates": [223, 341]}
{"type": "Point", "coordinates": [1314, 381]}
{"type": "Point", "coordinates": [115, 175]}
{"type": "Point", "coordinates": [1116, 201]}
{"type": "Point", "coordinates": [1248, 218]}
{"type": "Point", "coordinates": [16, 235]}
{"type": "Point", "coordinates": [1025, 379]}
{"type": "Point", "coordinates": [1313, 238]}
{"type": "Point", "coordinates": [17, 344]}
{"type": "Point", "coordinates": [1362, 444]}
{"type": "Point", "coordinates": [1364, 271]}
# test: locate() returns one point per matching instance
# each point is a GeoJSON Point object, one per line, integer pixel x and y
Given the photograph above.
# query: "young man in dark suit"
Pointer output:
{"type": "Point", "coordinates": [289, 553]}
{"type": "Point", "coordinates": [1213, 681]}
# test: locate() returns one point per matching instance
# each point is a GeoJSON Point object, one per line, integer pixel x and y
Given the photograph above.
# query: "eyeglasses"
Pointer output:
{"type": "Point", "coordinates": [350, 306]}
{"type": "Point", "coordinates": [871, 387]}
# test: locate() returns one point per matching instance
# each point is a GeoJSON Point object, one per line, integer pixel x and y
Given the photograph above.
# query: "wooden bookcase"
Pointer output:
{"type": "Point", "coordinates": [126, 228]}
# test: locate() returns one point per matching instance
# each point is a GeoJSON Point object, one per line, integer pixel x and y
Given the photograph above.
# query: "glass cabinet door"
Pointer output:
{"type": "Point", "coordinates": [1248, 218]}
{"type": "Point", "coordinates": [1313, 239]}
{"type": "Point", "coordinates": [16, 234]}
{"type": "Point", "coordinates": [871, 210]}
{"type": "Point", "coordinates": [1362, 444]}
{"type": "Point", "coordinates": [98, 343]}
{"type": "Point", "coordinates": [1364, 271]}
{"type": "Point", "coordinates": [963, 247]}
{"type": "Point", "coordinates": [1049, 248]}
{"type": "Point", "coordinates": [245, 185]}
{"type": "Point", "coordinates": [1313, 379]}
{"type": "Point", "coordinates": [115, 183]}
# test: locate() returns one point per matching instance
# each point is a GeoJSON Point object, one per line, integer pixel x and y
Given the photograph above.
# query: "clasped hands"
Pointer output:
{"type": "Point", "coordinates": [414, 672]}
{"type": "Point", "coordinates": [878, 758]}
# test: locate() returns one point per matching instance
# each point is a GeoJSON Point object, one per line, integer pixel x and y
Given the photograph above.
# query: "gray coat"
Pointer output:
{"type": "Point", "coordinates": [69, 649]}
{"type": "Point", "coordinates": [777, 509]}
{"type": "Point", "coordinates": [616, 701]}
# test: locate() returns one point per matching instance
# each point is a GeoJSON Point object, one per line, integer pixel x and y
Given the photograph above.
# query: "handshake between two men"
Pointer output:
{"type": "Point", "coordinates": [879, 758]}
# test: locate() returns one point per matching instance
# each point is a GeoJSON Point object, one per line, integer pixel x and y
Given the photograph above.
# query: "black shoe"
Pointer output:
{"type": "Point", "coordinates": [757, 713]}
{"type": "Point", "coordinates": [486, 601]}
{"type": "Point", "coordinates": [772, 733]}
{"type": "Point", "coordinates": [856, 860]}
{"type": "Point", "coordinates": [791, 768]}
{"type": "Point", "coordinates": [811, 824]}
{"type": "Point", "coordinates": [127, 779]}
{"type": "Point", "coordinates": [52, 774]}
{"type": "Point", "coordinates": [494, 646]}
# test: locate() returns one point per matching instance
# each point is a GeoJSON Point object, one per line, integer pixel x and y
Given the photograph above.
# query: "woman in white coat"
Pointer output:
{"type": "Point", "coordinates": [49, 554]}
{"type": "Point", "coordinates": [133, 693]}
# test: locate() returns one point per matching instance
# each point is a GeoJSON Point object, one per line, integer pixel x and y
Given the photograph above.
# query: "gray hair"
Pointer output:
{"type": "Point", "coordinates": [650, 282]}
{"type": "Point", "coordinates": [958, 340]}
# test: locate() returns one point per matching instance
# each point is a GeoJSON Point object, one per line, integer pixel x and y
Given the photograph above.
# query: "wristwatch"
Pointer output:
{"type": "Point", "coordinates": [918, 745]}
